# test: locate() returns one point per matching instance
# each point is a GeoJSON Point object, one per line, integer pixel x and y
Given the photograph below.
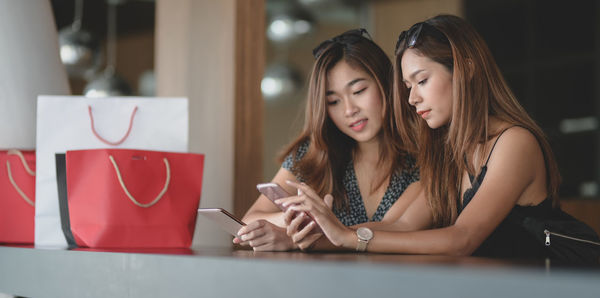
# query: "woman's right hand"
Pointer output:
{"type": "Point", "coordinates": [310, 202]}
{"type": "Point", "coordinates": [262, 235]}
{"type": "Point", "coordinates": [302, 236]}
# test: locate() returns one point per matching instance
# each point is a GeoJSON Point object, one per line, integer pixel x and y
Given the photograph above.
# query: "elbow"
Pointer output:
{"type": "Point", "coordinates": [462, 245]}
{"type": "Point", "coordinates": [462, 251]}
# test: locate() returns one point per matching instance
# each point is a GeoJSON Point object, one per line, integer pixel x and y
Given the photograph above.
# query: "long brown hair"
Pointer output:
{"type": "Point", "coordinates": [330, 150]}
{"type": "Point", "coordinates": [479, 91]}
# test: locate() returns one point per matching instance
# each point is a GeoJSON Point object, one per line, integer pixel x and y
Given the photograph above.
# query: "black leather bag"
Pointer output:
{"type": "Point", "coordinates": [566, 239]}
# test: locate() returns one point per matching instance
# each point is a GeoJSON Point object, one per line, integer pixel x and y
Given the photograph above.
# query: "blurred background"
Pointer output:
{"type": "Point", "coordinates": [548, 50]}
{"type": "Point", "coordinates": [107, 46]}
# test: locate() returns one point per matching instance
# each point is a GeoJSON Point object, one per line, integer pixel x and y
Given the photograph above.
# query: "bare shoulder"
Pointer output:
{"type": "Point", "coordinates": [518, 139]}
{"type": "Point", "coordinates": [517, 148]}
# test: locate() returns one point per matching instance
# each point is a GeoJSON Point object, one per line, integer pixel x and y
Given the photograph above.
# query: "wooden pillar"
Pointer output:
{"type": "Point", "coordinates": [249, 66]}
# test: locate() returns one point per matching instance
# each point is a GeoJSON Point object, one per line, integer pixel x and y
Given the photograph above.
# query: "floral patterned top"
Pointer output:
{"type": "Point", "coordinates": [356, 213]}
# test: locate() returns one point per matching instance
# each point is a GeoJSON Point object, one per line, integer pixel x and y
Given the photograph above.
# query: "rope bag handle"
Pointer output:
{"type": "Point", "coordinates": [158, 197]}
{"type": "Point", "coordinates": [12, 180]}
{"type": "Point", "coordinates": [105, 141]}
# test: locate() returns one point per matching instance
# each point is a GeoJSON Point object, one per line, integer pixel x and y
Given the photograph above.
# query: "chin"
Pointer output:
{"type": "Point", "coordinates": [432, 124]}
{"type": "Point", "coordinates": [364, 139]}
{"type": "Point", "coordinates": [435, 124]}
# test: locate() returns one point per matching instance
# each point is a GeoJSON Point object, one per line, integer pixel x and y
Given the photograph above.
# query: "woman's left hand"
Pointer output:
{"type": "Point", "coordinates": [262, 235]}
{"type": "Point", "coordinates": [310, 202]}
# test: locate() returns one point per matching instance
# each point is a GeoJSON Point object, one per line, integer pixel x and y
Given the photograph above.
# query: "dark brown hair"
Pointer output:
{"type": "Point", "coordinates": [330, 150]}
{"type": "Point", "coordinates": [479, 91]}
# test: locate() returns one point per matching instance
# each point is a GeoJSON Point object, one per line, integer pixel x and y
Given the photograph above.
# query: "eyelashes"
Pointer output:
{"type": "Point", "coordinates": [421, 83]}
{"type": "Point", "coordinates": [360, 91]}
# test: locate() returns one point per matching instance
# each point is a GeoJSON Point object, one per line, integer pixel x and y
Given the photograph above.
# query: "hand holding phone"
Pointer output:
{"type": "Point", "coordinates": [273, 192]}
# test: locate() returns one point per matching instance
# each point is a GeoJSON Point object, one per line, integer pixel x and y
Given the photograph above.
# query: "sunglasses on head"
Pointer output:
{"type": "Point", "coordinates": [411, 36]}
{"type": "Point", "coordinates": [346, 38]}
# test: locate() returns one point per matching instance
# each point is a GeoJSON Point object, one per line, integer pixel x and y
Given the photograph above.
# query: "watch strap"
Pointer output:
{"type": "Point", "coordinates": [361, 245]}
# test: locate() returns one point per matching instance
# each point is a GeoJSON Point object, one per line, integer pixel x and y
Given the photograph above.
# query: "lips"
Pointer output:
{"type": "Point", "coordinates": [358, 125]}
{"type": "Point", "coordinates": [423, 113]}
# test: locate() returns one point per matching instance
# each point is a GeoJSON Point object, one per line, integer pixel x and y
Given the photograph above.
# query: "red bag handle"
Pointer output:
{"type": "Point", "coordinates": [103, 139]}
{"type": "Point", "coordinates": [160, 195]}
{"type": "Point", "coordinates": [12, 180]}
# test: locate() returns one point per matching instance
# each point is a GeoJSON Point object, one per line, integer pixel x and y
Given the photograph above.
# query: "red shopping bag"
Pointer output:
{"type": "Point", "coordinates": [133, 198]}
{"type": "Point", "coordinates": [17, 196]}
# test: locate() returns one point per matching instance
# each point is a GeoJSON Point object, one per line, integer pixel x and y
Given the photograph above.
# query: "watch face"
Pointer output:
{"type": "Point", "coordinates": [364, 233]}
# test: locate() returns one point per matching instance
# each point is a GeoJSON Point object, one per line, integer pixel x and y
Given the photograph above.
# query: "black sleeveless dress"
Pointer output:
{"type": "Point", "coordinates": [521, 233]}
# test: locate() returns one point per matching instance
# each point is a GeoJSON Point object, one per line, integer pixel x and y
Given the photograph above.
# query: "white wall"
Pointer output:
{"type": "Point", "coordinates": [195, 58]}
{"type": "Point", "coordinates": [29, 66]}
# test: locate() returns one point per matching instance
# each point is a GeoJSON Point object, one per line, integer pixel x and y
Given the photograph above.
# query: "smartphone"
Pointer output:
{"type": "Point", "coordinates": [274, 192]}
{"type": "Point", "coordinates": [224, 219]}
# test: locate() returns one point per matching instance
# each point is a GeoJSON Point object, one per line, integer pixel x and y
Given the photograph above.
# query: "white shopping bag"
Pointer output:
{"type": "Point", "coordinates": [74, 122]}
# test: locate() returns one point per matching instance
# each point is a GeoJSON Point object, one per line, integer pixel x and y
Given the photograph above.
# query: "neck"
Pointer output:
{"type": "Point", "coordinates": [495, 125]}
{"type": "Point", "coordinates": [368, 151]}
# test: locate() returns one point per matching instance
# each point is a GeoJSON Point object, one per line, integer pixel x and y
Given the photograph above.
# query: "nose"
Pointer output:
{"type": "Point", "coordinates": [413, 97]}
{"type": "Point", "coordinates": [350, 109]}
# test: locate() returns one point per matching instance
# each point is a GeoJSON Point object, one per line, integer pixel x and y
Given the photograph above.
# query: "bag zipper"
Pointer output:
{"type": "Point", "coordinates": [548, 233]}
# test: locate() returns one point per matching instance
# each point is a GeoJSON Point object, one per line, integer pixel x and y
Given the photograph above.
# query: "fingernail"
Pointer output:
{"type": "Point", "coordinates": [288, 181]}
{"type": "Point", "coordinates": [299, 192]}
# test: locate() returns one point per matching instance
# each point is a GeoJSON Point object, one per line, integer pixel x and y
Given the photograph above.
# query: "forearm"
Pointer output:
{"type": "Point", "coordinates": [444, 241]}
{"type": "Point", "coordinates": [275, 218]}
{"type": "Point", "coordinates": [379, 227]}
{"type": "Point", "coordinates": [323, 244]}
{"type": "Point", "coordinates": [397, 226]}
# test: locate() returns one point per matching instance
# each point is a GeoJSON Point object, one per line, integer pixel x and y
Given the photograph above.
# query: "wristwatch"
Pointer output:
{"type": "Point", "coordinates": [364, 235]}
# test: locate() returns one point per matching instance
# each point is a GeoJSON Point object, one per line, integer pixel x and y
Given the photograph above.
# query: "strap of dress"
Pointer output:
{"type": "Point", "coordinates": [494, 146]}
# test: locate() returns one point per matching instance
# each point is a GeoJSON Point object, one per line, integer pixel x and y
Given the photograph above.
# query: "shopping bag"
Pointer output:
{"type": "Point", "coordinates": [75, 123]}
{"type": "Point", "coordinates": [17, 196]}
{"type": "Point", "coordinates": [63, 206]}
{"type": "Point", "coordinates": [131, 198]}
{"type": "Point", "coordinates": [565, 238]}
